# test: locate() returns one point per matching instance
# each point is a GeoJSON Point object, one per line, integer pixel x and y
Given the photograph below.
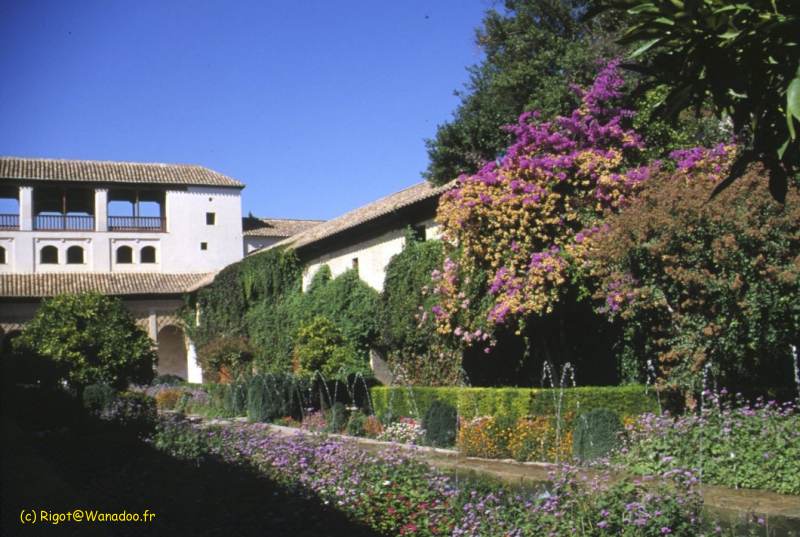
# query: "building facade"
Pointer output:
{"type": "Point", "coordinates": [368, 237]}
{"type": "Point", "coordinates": [144, 232]}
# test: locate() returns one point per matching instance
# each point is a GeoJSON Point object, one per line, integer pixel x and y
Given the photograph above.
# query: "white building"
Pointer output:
{"type": "Point", "coordinates": [263, 232]}
{"type": "Point", "coordinates": [145, 232]}
{"type": "Point", "coordinates": [368, 237]}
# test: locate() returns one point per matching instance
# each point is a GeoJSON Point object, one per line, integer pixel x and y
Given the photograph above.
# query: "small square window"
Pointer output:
{"type": "Point", "coordinates": [355, 264]}
{"type": "Point", "coordinates": [211, 219]}
{"type": "Point", "coordinates": [204, 246]}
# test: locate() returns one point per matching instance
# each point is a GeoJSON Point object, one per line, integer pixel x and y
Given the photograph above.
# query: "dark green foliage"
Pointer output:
{"type": "Point", "coordinates": [167, 380]}
{"type": "Point", "coordinates": [407, 287]}
{"type": "Point", "coordinates": [38, 408]}
{"type": "Point", "coordinates": [231, 356]}
{"type": "Point", "coordinates": [338, 418]}
{"type": "Point", "coordinates": [743, 57]}
{"type": "Point", "coordinates": [259, 299]}
{"type": "Point", "coordinates": [25, 367]}
{"type": "Point", "coordinates": [265, 278]}
{"type": "Point", "coordinates": [533, 50]}
{"type": "Point", "coordinates": [272, 396]}
{"type": "Point", "coordinates": [393, 402]}
{"type": "Point", "coordinates": [440, 424]}
{"type": "Point", "coordinates": [92, 338]}
{"type": "Point", "coordinates": [133, 412]}
{"type": "Point", "coordinates": [98, 398]}
{"type": "Point", "coordinates": [321, 347]}
{"type": "Point", "coordinates": [350, 303]}
{"type": "Point", "coordinates": [717, 283]}
{"type": "Point", "coordinates": [355, 424]}
{"type": "Point", "coordinates": [596, 434]}
{"type": "Point", "coordinates": [272, 327]}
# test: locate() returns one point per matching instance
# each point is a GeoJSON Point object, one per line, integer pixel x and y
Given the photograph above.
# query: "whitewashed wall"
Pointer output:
{"type": "Point", "coordinates": [178, 250]}
{"type": "Point", "coordinates": [373, 256]}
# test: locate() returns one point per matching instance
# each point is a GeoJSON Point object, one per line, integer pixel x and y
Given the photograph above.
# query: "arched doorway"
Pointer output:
{"type": "Point", "coordinates": [172, 352]}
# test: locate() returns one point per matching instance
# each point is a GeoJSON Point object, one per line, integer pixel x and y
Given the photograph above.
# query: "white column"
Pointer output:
{"type": "Point", "coordinates": [152, 326]}
{"type": "Point", "coordinates": [101, 209]}
{"type": "Point", "coordinates": [194, 372]}
{"type": "Point", "coordinates": [26, 208]}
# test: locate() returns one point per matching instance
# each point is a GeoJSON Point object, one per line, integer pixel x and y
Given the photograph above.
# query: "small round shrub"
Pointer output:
{"type": "Point", "coordinates": [596, 434]}
{"type": "Point", "coordinates": [440, 424]}
{"type": "Point", "coordinates": [97, 398]}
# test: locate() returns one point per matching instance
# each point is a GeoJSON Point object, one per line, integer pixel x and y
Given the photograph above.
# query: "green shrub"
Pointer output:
{"type": "Point", "coordinates": [321, 346]}
{"type": "Point", "coordinates": [356, 424]}
{"type": "Point", "coordinates": [272, 396]}
{"type": "Point", "coordinates": [404, 291]}
{"type": "Point", "coordinates": [512, 403]}
{"type": "Point", "coordinates": [97, 398]}
{"type": "Point", "coordinates": [167, 380]}
{"type": "Point", "coordinates": [716, 282]}
{"type": "Point", "coordinates": [338, 418]}
{"type": "Point", "coordinates": [596, 434]}
{"type": "Point", "coordinates": [92, 338]}
{"type": "Point", "coordinates": [440, 424]}
{"type": "Point", "coordinates": [225, 357]}
{"type": "Point", "coordinates": [133, 412]}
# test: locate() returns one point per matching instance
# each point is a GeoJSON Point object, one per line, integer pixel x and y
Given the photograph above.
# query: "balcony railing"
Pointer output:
{"type": "Point", "coordinates": [136, 223]}
{"type": "Point", "coordinates": [63, 222]}
{"type": "Point", "coordinates": [9, 221]}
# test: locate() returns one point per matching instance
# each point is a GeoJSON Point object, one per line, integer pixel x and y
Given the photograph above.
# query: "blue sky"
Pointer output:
{"type": "Point", "coordinates": [318, 106]}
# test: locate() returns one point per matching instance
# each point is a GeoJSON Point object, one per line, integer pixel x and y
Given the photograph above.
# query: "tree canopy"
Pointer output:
{"type": "Point", "coordinates": [92, 339]}
{"type": "Point", "coordinates": [534, 50]}
{"type": "Point", "coordinates": [742, 58]}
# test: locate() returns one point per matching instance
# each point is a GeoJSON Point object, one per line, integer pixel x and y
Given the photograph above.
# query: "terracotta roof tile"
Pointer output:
{"type": "Point", "coordinates": [43, 285]}
{"type": "Point", "coordinates": [275, 227]}
{"type": "Point", "coordinates": [386, 205]}
{"type": "Point", "coordinates": [93, 171]}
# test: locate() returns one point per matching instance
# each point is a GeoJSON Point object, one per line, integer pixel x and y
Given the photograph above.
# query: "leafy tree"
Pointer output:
{"type": "Point", "coordinates": [407, 290]}
{"type": "Point", "coordinates": [92, 338]}
{"type": "Point", "coordinates": [534, 50]}
{"type": "Point", "coordinates": [349, 303]}
{"type": "Point", "coordinates": [743, 58]}
{"type": "Point", "coordinates": [703, 286]}
{"type": "Point", "coordinates": [321, 346]}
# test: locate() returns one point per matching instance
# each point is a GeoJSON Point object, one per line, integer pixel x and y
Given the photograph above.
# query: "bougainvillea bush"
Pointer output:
{"type": "Point", "coordinates": [729, 442]}
{"type": "Point", "coordinates": [398, 495]}
{"type": "Point", "coordinates": [703, 286]}
{"type": "Point", "coordinates": [508, 228]}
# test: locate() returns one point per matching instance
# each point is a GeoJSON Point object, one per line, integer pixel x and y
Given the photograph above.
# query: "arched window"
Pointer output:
{"type": "Point", "coordinates": [75, 255]}
{"type": "Point", "coordinates": [48, 255]}
{"type": "Point", "coordinates": [148, 254]}
{"type": "Point", "coordinates": [2, 256]}
{"type": "Point", "coordinates": [124, 254]}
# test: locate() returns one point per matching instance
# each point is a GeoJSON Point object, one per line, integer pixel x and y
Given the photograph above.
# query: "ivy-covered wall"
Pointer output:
{"type": "Point", "coordinates": [259, 300]}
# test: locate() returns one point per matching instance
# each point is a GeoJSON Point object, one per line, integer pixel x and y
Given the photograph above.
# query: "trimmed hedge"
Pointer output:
{"type": "Point", "coordinates": [511, 403]}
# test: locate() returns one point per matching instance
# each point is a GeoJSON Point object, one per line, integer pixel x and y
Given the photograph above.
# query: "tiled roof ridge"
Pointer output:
{"type": "Point", "coordinates": [16, 285]}
{"type": "Point", "coordinates": [36, 168]}
{"type": "Point", "coordinates": [385, 205]}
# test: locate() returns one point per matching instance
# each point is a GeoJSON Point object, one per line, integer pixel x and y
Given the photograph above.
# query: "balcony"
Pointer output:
{"type": "Point", "coordinates": [63, 222]}
{"type": "Point", "coordinates": [9, 221]}
{"type": "Point", "coordinates": [136, 223]}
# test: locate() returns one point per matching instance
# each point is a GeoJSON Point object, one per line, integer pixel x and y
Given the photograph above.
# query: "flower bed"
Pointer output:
{"type": "Point", "coordinates": [397, 495]}
{"type": "Point", "coordinates": [730, 443]}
